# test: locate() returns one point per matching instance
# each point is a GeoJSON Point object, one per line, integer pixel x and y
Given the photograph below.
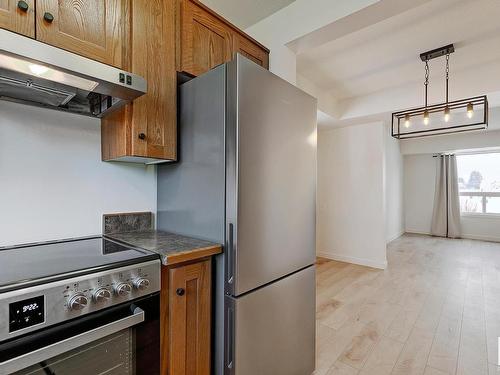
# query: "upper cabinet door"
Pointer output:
{"type": "Point", "coordinates": [18, 16]}
{"type": "Point", "coordinates": [97, 29]}
{"type": "Point", "coordinates": [205, 41]}
{"type": "Point", "coordinates": [250, 50]}
{"type": "Point", "coordinates": [154, 117]}
{"type": "Point", "coordinates": [147, 128]}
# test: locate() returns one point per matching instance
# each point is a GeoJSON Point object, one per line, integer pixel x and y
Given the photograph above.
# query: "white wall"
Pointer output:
{"type": "Point", "coordinates": [53, 183]}
{"type": "Point", "coordinates": [394, 192]}
{"type": "Point", "coordinates": [485, 228]}
{"type": "Point", "coordinates": [419, 187]}
{"type": "Point", "coordinates": [351, 204]}
{"type": "Point", "coordinates": [451, 142]}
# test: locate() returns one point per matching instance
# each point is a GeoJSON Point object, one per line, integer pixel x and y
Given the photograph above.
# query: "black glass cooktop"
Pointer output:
{"type": "Point", "coordinates": [21, 266]}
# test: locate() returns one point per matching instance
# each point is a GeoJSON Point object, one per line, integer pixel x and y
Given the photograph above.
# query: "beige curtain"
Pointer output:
{"type": "Point", "coordinates": [446, 215]}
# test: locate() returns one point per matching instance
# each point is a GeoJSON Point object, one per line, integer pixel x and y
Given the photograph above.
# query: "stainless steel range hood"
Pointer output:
{"type": "Point", "coordinates": [37, 74]}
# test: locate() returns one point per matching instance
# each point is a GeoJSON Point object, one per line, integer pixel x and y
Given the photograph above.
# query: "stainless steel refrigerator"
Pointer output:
{"type": "Point", "coordinates": [246, 178]}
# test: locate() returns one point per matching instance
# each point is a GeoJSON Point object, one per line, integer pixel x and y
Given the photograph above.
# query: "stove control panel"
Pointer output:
{"type": "Point", "coordinates": [107, 289]}
{"type": "Point", "coordinates": [29, 309]}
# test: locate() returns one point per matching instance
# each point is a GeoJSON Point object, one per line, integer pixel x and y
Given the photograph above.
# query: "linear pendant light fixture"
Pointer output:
{"type": "Point", "coordinates": [437, 119]}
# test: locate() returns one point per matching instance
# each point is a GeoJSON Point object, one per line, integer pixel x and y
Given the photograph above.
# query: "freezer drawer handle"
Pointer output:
{"type": "Point", "coordinates": [52, 350]}
{"type": "Point", "coordinates": [230, 340]}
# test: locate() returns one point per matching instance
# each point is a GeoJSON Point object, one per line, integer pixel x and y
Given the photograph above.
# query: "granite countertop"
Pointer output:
{"type": "Point", "coordinates": [137, 229]}
{"type": "Point", "coordinates": [172, 248]}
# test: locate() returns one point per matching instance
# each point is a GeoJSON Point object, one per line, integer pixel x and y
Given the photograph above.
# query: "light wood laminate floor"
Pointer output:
{"type": "Point", "coordinates": [435, 310]}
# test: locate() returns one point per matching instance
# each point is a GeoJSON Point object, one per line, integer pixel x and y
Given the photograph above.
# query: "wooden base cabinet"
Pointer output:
{"type": "Point", "coordinates": [186, 318]}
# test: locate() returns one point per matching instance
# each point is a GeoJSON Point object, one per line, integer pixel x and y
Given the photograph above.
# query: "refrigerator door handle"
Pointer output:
{"type": "Point", "coordinates": [230, 255]}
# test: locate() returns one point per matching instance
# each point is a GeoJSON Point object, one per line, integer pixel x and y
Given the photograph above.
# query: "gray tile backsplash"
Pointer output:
{"type": "Point", "coordinates": [127, 222]}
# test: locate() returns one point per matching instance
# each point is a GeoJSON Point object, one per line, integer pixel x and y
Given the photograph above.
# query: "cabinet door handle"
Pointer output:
{"type": "Point", "coordinates": [23, 5]}
{"type": "Point", "coordinates": [142, 136]}
{"type": "Point", "coordinates": [48, 17]}
{"type": "Point", "coordinates": [180, 291]}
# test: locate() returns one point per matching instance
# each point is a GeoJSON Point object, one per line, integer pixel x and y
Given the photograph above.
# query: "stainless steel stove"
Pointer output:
{"type": "Point", "coordinates": [85, 306]}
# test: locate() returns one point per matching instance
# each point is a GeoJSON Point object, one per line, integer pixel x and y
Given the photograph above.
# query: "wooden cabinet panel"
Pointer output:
{"type": "Point", "coordinates": [186, 347]}
{"type": "Point", "coordinates": [154, 114]}
{"type": "Point", "coordinates": [205, 39]}
{"type": "Point", "coordinates": [250, 50]}
{"type": "Point", "coordinates": [18, 16]}
{"type": "Point", "coordinates": [147, 128]}
{"type": "Point", "coordinates": [97, 29]}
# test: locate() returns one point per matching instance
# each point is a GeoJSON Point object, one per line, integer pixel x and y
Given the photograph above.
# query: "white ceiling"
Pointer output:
{"type": "Point", "coordinates": [385, 55]}
{"type": "Point", "coordinates": [245, 13]}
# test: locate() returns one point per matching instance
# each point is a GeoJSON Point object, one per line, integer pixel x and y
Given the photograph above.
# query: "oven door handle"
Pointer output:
{"type": "Point", "coordinates": [52, 350]}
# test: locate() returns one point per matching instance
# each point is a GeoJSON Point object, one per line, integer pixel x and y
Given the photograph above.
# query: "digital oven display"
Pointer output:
{"type": "Point", "coordinates": [26, 313]}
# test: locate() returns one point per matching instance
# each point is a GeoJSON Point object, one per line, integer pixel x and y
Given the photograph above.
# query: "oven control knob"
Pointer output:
{"type": "Point", "coordinates": [101, 295]}
{"type": "Point", "coordinates": [122, 289]}
{"type": "Point", "coordinates": [141, 283]}
{"type": "Point", "coordinates": [77, 301]}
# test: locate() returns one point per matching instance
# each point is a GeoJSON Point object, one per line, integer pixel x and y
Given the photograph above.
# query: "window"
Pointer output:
{"type": "Point", "coordinates": [479, 183]}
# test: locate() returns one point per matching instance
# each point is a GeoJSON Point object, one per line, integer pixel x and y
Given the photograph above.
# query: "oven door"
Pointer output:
{"type": "Point", "coordinates": [123, 339]}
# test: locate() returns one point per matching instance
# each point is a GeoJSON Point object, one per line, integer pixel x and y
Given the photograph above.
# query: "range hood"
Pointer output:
{"type": "Point", "coordinates": [34, 73]}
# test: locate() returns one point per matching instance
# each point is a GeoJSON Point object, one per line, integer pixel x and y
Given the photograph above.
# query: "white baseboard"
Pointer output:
{"type": "Point", "coordinates": [481, 238]}
{"type": "Point", "coordinates": [463, 235]}
{"type": "Point", "coordinates": [395, 236]}
{"type": "Point", "coordinates": [354, 260]}
{"type": "Point", "coordinates": [410, 231]}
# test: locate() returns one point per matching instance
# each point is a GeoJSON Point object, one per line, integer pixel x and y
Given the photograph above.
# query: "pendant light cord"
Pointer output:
{"type": "Point", "coordinates": [447, 74]}
{"type": "Point", "coordinates": [426, 83]}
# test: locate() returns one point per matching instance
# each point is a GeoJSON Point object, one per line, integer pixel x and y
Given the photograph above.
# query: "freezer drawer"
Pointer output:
{"type": "Point", "coordinates": [271, 331]}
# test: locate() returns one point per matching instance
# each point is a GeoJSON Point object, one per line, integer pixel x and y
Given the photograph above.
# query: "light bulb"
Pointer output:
{"type": "Point", "coordinates": [447, 114]}
{"type": "Point", "coordinates": [38, 69]}
{"type": "Point", "coordinates": [426, 117]}
{"type": "Point", "coordinates": [470, 110]}
{"type": "Point", "coordinates": [407, 121]}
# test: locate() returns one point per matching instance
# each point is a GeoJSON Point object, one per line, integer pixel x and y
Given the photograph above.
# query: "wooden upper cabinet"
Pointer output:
{"type": "Point", "coordinates": [205, 41]}
{"type": "Point", "coordinates": [97, 29]}
{"type": "Point", "coordinates": [152, 38]}
{"type": "Point", "coordinates": [189, 319]}
{"type": "Point", "coordinates": [155, 114]}
{"type": "Point", "coordinates": [146, 129]}
{"type": "Point", "coordinates": [18, 16]}
{"type": "Point", "coordinates": [250, 50]}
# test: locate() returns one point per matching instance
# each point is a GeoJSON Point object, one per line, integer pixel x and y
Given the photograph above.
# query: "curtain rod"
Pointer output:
{"type": "Point", "coordinates": [443, 154]}
{"type": "Point", "coordinates": [472, 152]}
